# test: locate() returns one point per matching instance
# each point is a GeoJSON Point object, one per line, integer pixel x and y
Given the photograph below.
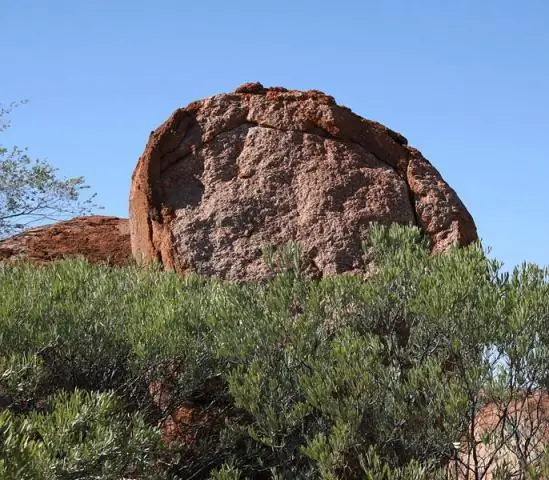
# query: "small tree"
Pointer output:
{"type": "Point", "coordinates": [31, 191]}
{"type": "Point", "coordinates": [508, 432]}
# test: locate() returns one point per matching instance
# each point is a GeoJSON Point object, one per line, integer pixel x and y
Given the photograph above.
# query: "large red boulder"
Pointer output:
{"type": "Point", "coordinates": [227, 175]}
{"type": "Point", "coordinates": [98, 239]}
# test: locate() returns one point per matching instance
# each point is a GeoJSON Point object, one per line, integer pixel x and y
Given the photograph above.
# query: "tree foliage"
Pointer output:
{"type": "Point", "coordinates": [31, 191]}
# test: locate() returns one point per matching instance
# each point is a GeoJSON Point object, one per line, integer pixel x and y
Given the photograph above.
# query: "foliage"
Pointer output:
{"type": "Point", "coordinates": [81, 436]}
{"type": "Point", "coordinates": [343, 377]}
{"type": "Point", "coordinates": [31, 191]}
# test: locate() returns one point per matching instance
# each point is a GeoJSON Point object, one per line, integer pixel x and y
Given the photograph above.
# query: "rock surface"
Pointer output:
{"type": "Point", "coordinates": [190, 421]}
{"type": "Point", "coordinates": [231, 173]}
{"type": "Point", "coordinates": [98, 239]}
{"type": "Point", "coordinates": [506, 434]}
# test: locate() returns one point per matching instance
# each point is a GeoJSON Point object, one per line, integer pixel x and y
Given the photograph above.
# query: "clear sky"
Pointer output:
{"type": "Point", "coordinates": [467, 82]}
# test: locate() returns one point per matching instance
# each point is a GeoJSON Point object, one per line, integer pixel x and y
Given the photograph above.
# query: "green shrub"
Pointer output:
{"type": "Point", "coordinates": [342, 377]}
{"type": "Point", "coordinates": [81, 435]}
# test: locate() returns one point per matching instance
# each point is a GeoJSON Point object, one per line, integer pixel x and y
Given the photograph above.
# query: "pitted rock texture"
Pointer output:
{"type": "Point", "coordinates": [98, 239]}
{"type": "Point", "coordinates": [231, 173]}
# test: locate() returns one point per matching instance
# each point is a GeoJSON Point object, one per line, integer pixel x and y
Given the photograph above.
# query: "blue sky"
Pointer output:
{"type": "Point", "coordinates": [467, 82]}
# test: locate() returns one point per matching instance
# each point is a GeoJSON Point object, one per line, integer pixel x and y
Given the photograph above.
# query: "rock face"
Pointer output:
{"type": "Point", "coordinates": [508, 434]}
{"type": "Point", "coordinates": [190, 421]}
{"type": "Point", "coordinates": [231, 173]}
{"type": "Point", "coordinates": [99, 239]}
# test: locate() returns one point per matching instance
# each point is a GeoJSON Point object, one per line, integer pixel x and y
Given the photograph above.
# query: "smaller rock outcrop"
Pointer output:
{"type": "Point", "coordinates": [506, 435]}
{"type": "Point", "coordinates": [195, 419]}
{"type": "Point", "coordinates": [99, 239]}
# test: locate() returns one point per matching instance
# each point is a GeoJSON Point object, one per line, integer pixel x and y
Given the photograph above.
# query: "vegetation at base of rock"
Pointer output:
{"type": "Point", "coordinates": [79, 435]}
{"type": "Point", "coordinates": [337, 378]}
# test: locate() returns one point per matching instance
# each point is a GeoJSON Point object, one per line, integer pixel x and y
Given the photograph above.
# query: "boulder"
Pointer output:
{"type": "Point", "coordinates": [99, 239]}
{"type": "Point", "coordinates": [229, 174]}
{"type": "Point", "coordinates": [510, 434]}
{"type": "Point", "coordinates": [193, 420]}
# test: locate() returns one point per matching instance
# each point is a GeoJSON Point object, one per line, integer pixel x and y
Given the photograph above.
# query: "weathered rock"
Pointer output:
{"type": "Point", "coordinates": [191, 420]}
{"type": "Point", "coordinates": [231, 173]}
{"type": "Point", "coordinates": [98, 239]}
{"type": "Point", "coordinates": [505, 434]}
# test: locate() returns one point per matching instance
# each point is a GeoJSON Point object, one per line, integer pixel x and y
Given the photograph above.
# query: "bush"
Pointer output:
{"type": "Point", "coordinates": [343, 377]}
{"type": "Point", "coordinates": [82, 435]}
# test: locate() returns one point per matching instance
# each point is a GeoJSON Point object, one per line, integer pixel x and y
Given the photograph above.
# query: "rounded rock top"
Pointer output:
{"type": "Point", "coordinates": [229, 174]}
